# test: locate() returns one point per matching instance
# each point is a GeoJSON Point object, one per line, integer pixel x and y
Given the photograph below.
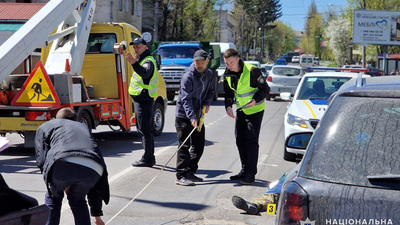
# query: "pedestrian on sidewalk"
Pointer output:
{"type": "Point", "coordinates": [245, 84]}
{"type": "Point", "coordinates": [71, 162]}
{"type": "Point", "coordinates": [196, 92]}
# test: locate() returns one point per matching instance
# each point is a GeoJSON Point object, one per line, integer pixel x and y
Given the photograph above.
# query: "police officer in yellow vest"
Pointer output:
{"type": "Point", "coordinates": [245, 84]}
{"type": "Point", "coordinates": [143, 89]}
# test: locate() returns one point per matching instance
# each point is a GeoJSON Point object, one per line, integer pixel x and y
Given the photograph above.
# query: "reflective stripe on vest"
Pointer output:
{"type": "Point", "coordinates": [245, 92]}
{"type": "Point", "coordinates": [136, 85]}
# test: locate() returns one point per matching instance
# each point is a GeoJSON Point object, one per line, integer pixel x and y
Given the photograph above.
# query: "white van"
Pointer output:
{"type": "Point", "coordinates": [306, 61]}
{"type": "Point", "coordinates": [224, 46]}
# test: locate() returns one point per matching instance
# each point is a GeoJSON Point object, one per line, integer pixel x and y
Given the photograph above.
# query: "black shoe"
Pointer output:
{"type": "Point", "coordinates": [247, 180]}
{"type": "Point", "coordinates": [238, 176]}
{"type": "Point", "coordinates": [242, 204]}
{"type": "Point", "coordinates": [142, 163]}
{"type": "Point", "coordinates": [192, 177]}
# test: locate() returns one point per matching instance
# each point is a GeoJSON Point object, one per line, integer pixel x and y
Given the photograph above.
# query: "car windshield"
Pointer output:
{"type": "Point", "coordinates": [286, 71]}
{"type": "Point", "coordinates": [320, 87]}
{"type": "Point", "coordinates": [356, 141]}
{"type": "Point", "coordinates": [176, 52]}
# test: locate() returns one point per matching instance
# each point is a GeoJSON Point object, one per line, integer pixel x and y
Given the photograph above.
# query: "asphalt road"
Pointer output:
{"type": "Point", "coordinates": [147, 196]}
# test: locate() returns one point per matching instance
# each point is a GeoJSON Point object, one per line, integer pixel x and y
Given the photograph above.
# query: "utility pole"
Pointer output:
{"type": "Point", "coordinates": [364, 63]}
{"type": "Point", "coordinates": [155, 34]}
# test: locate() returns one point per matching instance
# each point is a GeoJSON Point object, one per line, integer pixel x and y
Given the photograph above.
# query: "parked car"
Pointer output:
{"type": "Point", "coordinates": [284, 79]}
{"type": "Point", "coordinates": [295, 59]}
{"type": "Point", "coordinates": [374, 72]}
{"type": "Point", "coordinates": [350, 172]}
{"type": "Point", "coordinates": [309, 104]}
{"type": "Point", "coordinates": [280, 61]}
{"type": "Point", "coordinates": [352, 66]}
{"type": "Point", "coordinates": [266, 68]}
{"type": "Point", "coordinates": [255, 63]}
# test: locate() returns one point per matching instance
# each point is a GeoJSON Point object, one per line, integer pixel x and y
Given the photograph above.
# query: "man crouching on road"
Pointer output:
{"type": "Point", "coordinates": [196, 91]}
{"type": "Point", "coordinates": [70, 161]}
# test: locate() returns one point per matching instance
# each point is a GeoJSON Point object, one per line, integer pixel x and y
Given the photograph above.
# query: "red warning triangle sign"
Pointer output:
{"type": "Point", "coordinates": [37, 90]}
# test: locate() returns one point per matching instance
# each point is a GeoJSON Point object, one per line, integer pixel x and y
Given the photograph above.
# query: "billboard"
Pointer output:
{"type": "Point", "coordinates": [376, 27]}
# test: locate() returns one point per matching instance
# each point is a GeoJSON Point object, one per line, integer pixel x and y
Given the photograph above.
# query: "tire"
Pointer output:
{"type": "Point", "coordinates": [268, 97]}
{"type": "Point", "coordinates": [288, 156]}
{"type": "Point", "coordinates": [158, 119]}
{"type": "Point", "coordinates": [171, 95]}
{"type": "Point", "coordinates": [85, 118]}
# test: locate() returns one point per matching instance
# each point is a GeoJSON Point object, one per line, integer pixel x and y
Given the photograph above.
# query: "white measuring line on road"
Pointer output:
{"type": "Point", "coordinates": [120, 174]}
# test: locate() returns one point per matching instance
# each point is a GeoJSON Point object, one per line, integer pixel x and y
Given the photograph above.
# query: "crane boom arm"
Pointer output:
{"type": "Point", "coordinates": [35, 32]}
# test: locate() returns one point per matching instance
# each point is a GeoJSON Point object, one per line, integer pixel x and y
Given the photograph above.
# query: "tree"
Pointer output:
{"type": "Point", "coordinates": [338, 33]}
{"type": "Point", "coordinates": [314, 30]}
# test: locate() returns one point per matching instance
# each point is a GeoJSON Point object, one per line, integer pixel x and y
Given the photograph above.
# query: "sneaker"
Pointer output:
{"type": "Point", "coordinates": [184, 182]}
{"type": "Point", "coordinates": [142, 163]}
{"type": "Point", "coordinates": [192, 177]}
{"type": "Point", "coordinates": [238, 176]}
{"type": "Point", "coordinates": [242, 204]}
{"type": "Point", "coordinates": [247, 180]}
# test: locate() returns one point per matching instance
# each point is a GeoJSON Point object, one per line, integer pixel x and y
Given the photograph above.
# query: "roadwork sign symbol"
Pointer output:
{"type": "Point", "coordinates": [37, 90]}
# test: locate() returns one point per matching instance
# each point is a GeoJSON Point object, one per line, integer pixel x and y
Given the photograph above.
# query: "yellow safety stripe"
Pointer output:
{"type": "Point", "coordinates": [309, 107]}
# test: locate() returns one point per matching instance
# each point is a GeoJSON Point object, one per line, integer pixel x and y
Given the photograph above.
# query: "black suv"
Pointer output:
{"type": "Point", "coordinates": [350, 173]}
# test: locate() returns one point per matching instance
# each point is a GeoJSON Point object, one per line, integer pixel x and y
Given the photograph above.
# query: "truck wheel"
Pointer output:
{"type": "Point", "coordinates": [158, 119]}
{"type": "Point", "coordinates": [84, 117]}
{"type": "Point", "coordinates": [170, 95]}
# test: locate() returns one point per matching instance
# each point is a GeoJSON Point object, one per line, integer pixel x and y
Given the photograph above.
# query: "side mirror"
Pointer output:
{"type": "Point", "coordinates": [286, 96]}
{"type": "Point", "coordinates": [298, 140]}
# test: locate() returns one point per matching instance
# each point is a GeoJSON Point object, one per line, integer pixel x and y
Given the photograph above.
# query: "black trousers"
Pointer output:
{"type": "Point", "coordinates": [145, 128]}
{"type": "Point", "coordinates": [247, 132]}
{"type": "Point", "coordinates": [190, 153]}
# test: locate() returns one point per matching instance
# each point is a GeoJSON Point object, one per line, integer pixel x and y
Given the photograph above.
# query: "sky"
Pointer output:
{"type": "Point", "coordinates": [295, 11]}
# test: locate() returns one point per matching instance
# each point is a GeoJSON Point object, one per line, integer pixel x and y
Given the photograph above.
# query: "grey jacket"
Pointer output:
{"type": "Point", "coordinates": [196, 90]}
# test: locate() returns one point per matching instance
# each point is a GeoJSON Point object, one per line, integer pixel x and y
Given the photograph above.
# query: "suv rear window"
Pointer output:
{"type": "Point", "coordinates": [358, 137]}
{"type": "Point", "coordinates": [286, 71]}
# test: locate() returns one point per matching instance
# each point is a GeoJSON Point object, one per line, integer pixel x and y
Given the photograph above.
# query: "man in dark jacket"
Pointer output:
{"type": "Point", "coordinates": [196, 92]}
{"type": "Point", "coordinates": [143, 89]}
{"type": "Point", "coordinates": [71, 162]}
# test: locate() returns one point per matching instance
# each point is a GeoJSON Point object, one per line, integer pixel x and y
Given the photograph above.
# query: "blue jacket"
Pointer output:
{"type": "Point", "coordinates": [196, 90]}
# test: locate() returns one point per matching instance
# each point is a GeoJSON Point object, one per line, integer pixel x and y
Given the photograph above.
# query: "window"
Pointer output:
{"type": "Point", "coordinates": [133, 35]}
{"type": "Point", "coordinates": [101, 43]}
{"type": "Point", "coordinates": [132, 7]}
{"type": "Point", "coordinates": [358, 137]}
{"type": "Point", "coordinates": [127, 6]}
{"type": "Point", "coordinates": [119, 6]}
{"type": "Point", "coordinates": [138, 8]}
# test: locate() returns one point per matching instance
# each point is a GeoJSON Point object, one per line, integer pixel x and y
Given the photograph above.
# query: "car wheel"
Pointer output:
{"type": "Point", "coordinates": [268, 97]}
{"type": "Point", "coordinates": [158, 119]}
{"type": "Point", "coordinates": [288, 156]}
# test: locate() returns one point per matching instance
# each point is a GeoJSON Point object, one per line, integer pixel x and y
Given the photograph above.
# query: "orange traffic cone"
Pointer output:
{"type": "Point", "coordinates": [67, 66]}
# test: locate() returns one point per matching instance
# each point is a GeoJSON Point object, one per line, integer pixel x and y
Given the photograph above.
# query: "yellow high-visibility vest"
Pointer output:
{"type": "Point", "coordinates": [137, 85]}
{"type": "Point", "coordinates": [244, 92]}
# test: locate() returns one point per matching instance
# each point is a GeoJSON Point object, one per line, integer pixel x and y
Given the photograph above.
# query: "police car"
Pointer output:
{"type": "Point", "coordinates": [307, 107]}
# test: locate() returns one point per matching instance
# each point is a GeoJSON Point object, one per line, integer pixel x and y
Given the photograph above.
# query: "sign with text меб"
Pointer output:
{"type": "Point", "coordinates": [376, 27]}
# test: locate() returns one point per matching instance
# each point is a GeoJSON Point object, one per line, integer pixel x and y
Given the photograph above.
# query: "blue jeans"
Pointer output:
{"type": "Point", "coordinates": [80, 180]}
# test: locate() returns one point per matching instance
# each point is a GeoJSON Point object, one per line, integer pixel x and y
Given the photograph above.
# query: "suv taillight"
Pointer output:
{"type": "Point", "coordinates": [294, 205]}
{"type": "Point", "coordinates": [37, 115]}
{"type": "Point", "coordinates": [269, 79]}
